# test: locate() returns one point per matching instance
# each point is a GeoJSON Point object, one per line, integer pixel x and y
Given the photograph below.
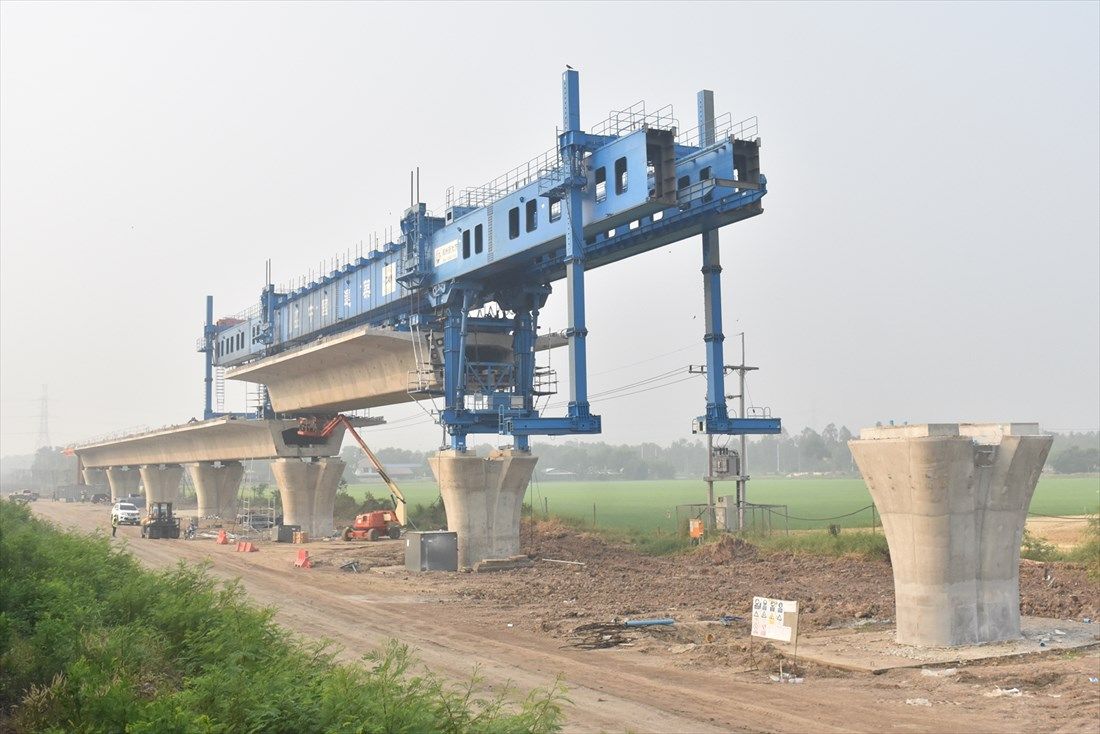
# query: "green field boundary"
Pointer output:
{"type": "Point", "coordinates": [810, 503]}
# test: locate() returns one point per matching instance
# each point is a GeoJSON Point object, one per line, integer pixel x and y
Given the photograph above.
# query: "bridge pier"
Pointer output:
{"type": "Point", "coordinates": [483, 497]}
{"type": "Point", "coordinates": [308, 492]}
{"type": "Point", "coordinates": [124, 481]}
{"type": "Point", "coordinates": [94, 478]}
{"type": "Point", "coordinates": [953, 500]}
{"type": "Point", "coordinates": [216, 487]}
{"type": "Point", "coordinates": [162, 482]}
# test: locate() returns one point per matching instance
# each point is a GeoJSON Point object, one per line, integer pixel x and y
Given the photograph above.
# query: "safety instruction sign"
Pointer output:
{"type": "Point", "coordinates": [775, 619]}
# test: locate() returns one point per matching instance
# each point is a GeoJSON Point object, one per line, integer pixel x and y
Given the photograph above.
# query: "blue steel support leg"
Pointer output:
{"type": "Point", "coordinates": [712, 287]}
{"type": "Point", "coordinates": [712, 306]}
{"type": "Point", "coordinates": [208, 348]}
{"type": "Point", "coordinates": [574, 248]}
{"type": "Point", "coordinates": [523, 347]}
{"type": "Point", "coordinates": [454, 353]}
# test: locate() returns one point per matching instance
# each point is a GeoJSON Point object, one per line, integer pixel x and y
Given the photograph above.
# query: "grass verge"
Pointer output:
{"type": "Point", "coordinates": [91, 641]}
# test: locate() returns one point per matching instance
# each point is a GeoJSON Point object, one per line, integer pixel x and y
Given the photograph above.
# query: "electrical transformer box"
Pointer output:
{"type": "Point", "coordinates": [435, 550]}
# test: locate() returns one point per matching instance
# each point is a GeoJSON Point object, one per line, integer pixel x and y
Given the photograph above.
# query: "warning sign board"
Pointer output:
{"type": "Point", "coordinates": [775, 619]}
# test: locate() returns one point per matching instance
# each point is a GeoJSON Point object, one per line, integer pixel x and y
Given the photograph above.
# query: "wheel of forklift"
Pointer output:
{"type": "Point", "coordinates": [394, 531]}
{"type": "Point", "coordinates": [347, 534]}
{"type": "Point", "coordinates": [372, 535]}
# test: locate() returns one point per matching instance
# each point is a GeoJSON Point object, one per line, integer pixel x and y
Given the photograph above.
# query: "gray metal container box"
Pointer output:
{"type": "Point", "coordinates": [285, 533]}
{"type": "Point", "coordinates": [436, 550]}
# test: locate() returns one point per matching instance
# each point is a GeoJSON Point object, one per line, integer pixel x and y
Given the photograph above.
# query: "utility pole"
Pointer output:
{"type": "Point", "coordinates": [711, 513]}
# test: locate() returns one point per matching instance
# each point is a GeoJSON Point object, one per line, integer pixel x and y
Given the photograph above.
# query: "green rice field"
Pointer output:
{"type": "Point", "coordinates": [811, 503]}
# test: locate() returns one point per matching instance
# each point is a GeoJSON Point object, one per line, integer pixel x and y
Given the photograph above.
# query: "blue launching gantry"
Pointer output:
{"type": "Point", "coordinates": [630, 185]}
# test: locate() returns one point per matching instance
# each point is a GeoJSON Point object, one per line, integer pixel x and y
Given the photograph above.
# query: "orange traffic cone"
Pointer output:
{"type": "Point", "coordinates": [303, 559]}
{"type": "Point", "coordinates": [223, 539]}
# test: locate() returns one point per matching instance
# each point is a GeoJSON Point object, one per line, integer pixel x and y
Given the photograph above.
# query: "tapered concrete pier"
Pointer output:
{"type": "Point", "coordinates": [216, 486]}
{"type": "Point", "coordinates": [483, 497]}
{"type": "Point", "coordinates": [308, 492]}
{"type": "Point", "coordinates": [124, 481]}
{"type": "Point", "coordinates": [162, 482]}
{"type": "Point", "coordinates": [953, 500]}
{"type": "Point", "coordinates": [94, 478]}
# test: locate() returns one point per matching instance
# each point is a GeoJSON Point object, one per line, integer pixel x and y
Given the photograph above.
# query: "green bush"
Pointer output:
{"type": "Point", "coordinates": [90, 641]}
{"type": "Point", "coordinates": [428, 517]}
{"type": "Point", "coordinates": [1088, 551]}
{"type": "Point", "coordinates": [860, 544]}
{"type": "Point", "coordinates": [1034, 548]}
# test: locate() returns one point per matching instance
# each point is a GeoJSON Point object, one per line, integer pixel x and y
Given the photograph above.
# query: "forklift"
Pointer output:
{"type": "Point", "coordinates": [160, 522]}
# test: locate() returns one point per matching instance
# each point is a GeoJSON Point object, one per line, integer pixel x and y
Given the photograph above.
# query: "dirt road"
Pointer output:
{"type": "Point", "coordinates": [641, 689]}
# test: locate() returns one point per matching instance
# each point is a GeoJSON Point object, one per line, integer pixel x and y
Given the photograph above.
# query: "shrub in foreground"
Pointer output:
{"type": "Point", "coordinates": [90, 641]}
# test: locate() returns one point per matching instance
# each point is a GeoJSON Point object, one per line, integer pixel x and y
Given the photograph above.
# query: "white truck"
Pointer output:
{"type": "Point", "coordinates": [126, 513]}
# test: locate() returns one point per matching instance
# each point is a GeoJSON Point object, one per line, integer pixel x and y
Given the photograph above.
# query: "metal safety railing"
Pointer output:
{"type": "Point", "coordinates": [635, 117]}
{"type": "Point", "coordinates": [548, 164]}
{"type": "Point", "coordinates": [724, 127]}
{"type": "Point", "coordinates": [544, 164]}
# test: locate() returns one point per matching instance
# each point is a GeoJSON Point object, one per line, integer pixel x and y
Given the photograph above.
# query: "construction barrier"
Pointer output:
{"type": "Point", "coordinates": [303, 559]}
{"type": "Point", "coordinates": [223, 539]}
{"type": "Point", "coordinates": [246, 546]}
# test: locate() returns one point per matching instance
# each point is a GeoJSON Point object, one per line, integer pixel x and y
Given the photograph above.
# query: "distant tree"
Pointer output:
{"type": "Point", "coordinates": [811, 450]}
{"type": "Point", "coordinates": [1076, 460]}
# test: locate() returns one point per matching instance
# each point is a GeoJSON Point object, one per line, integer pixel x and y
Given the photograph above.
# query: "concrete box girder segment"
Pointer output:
{"type": "Point", "coordinates": [219, 439]}
{"type": "Point", "coordinates": [483, 498]}
{"type": "Point", "coordinates": [953, 500]}
{"type": "Point", "coordinates": [364, 367]}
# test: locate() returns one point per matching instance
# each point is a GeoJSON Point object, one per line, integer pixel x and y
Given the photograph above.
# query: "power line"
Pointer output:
{"type": "Point", "coordinates": [643, 361]}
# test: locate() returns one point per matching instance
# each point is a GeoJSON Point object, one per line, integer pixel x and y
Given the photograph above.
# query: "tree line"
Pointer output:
{"type": "Point", "coordinates": [807, 452]}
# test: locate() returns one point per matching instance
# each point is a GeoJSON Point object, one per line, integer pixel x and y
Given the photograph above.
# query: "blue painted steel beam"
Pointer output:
{"type": "Point", "coordinates": [712, 288]}
{"type": "Point", "coordinates": [572, 159]}
{"type": "Point", "coordinates": [738, 426]}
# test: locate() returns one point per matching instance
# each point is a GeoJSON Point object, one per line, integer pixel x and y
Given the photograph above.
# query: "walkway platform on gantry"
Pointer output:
{"type": "Point", "coordinates": [218, 439]}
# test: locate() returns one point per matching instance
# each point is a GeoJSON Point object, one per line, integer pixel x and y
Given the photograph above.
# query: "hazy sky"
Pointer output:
{"type": "Point", "coordinates": [929, 250]}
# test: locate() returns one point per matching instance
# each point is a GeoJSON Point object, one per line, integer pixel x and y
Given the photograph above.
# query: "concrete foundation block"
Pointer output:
{"type": "Point", "coordinates": [308, 492]}
{"type": "Point", "coordinates": [216, 487]}
{"type": "Point", "coordinates": [123, 482]}
{"type": "Point", "coordinates": [954, 499]}
{"type": "Point", "coordinates": [162, 483]}
{"type": "Point", "coordinates": [483, 497]}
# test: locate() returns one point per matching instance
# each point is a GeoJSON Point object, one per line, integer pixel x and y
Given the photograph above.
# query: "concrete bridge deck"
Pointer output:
{"type": "Point", "coordinates": [218, 439]}
{"type": "Point", "coordinates": [307, 470]}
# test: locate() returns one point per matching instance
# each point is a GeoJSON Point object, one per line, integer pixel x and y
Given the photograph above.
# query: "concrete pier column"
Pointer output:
{"type": "Point", "coordinates": [216, 487]}
{"type": "Point", "coordinates": [162, 482]}
{"type": "Point", "coordinates": [123, 481]}
{"type": "Point", "coordinates": [483, 498]}
{"type": "Point", "coordinates": [94, 478]}
{"type": "Point", "coordinates": [308, 491]}
{"type": "Point", "coordinates": [953, 500]}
